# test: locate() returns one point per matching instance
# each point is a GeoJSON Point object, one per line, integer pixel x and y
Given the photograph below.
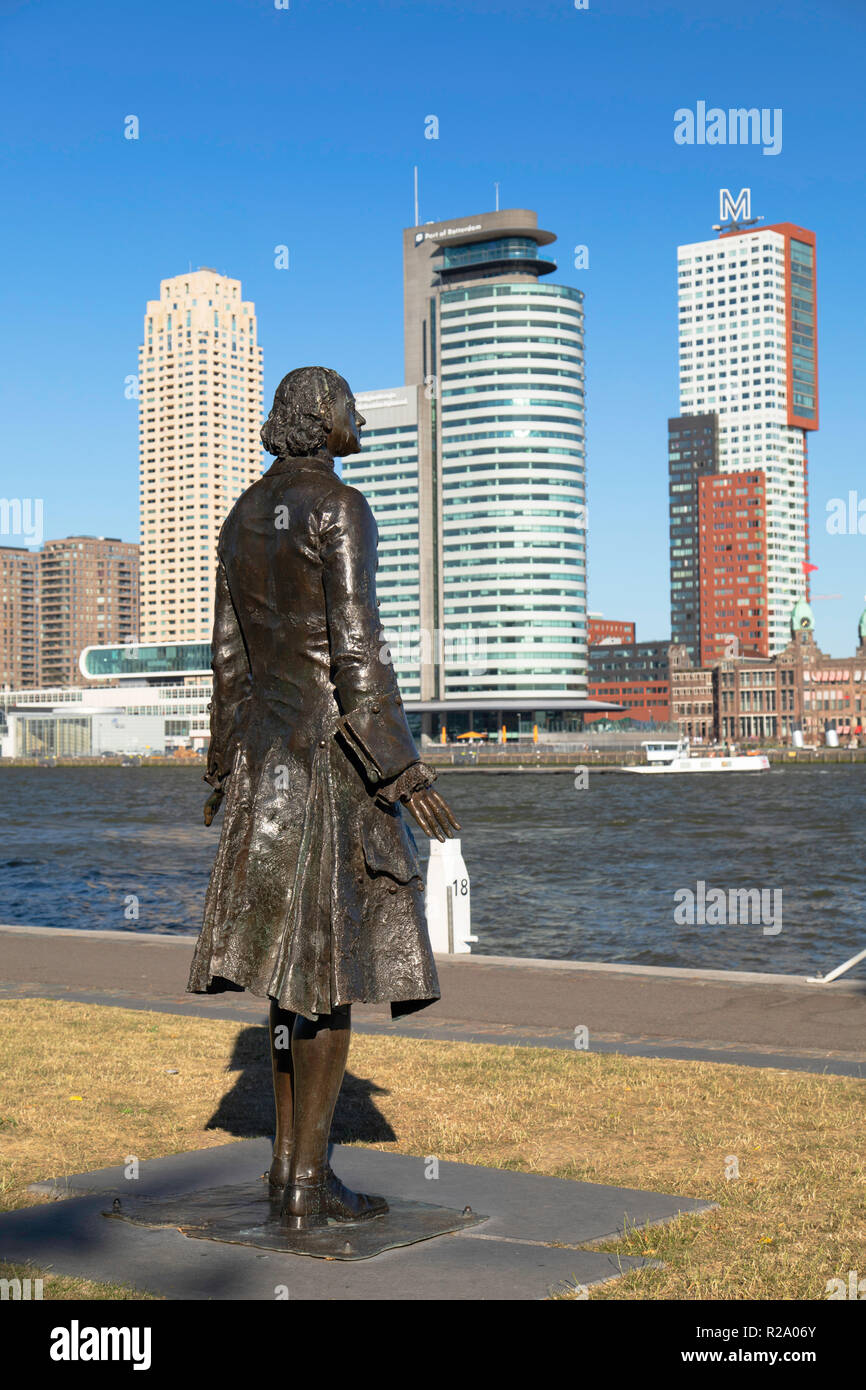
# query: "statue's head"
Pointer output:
{"type": "Point", "coordinates": [313, 413]}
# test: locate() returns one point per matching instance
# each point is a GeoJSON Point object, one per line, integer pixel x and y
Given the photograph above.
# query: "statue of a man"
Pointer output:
{"type": "Point", "coordinates": [315, 900]}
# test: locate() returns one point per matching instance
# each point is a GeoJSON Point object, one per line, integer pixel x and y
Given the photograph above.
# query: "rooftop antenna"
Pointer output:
{"type": "Point", "coordinates": [496, 186]}
{"type": "Point", "coordinates": [736, 225]}
{"type": "Point", "coordinates": [739, 213]}
{"type": "Point", "coordinates": [417, 219]}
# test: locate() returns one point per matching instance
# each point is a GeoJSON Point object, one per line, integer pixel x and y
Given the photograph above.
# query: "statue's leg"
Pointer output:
{"type": "Point", "coordinates": [314, 1194]}
{"type": "Point", "coordinates": [282, 1023]}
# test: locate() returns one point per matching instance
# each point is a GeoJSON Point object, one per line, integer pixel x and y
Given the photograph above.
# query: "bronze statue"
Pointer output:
{"type": "Point", "coordinates": [315, 900]}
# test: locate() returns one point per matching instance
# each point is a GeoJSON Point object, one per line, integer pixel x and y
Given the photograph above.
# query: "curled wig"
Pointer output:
{"type": "Point", "coordinates": [300, 418]}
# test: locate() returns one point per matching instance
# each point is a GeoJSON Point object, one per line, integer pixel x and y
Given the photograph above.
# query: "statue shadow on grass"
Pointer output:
{"type": "Point", "coordinates": [247, 1110]}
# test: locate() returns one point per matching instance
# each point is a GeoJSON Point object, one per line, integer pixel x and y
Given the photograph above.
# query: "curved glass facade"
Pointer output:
{"type": "Point", "coordinates": [513, 248]}
{"type": "Point", "coordinates": [513, 466]}
{"type": "Point", "coordinates": [172, 659]}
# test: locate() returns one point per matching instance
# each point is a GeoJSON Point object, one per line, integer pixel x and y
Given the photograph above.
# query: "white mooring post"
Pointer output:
{"type": "Point", "coordinates": [447, 899]}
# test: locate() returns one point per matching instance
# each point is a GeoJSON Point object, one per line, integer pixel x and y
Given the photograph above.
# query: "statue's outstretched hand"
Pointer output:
{"type": "Point", "coordinates": [432, 814]}
{"type": "Point", "coordinates": [212, 805]}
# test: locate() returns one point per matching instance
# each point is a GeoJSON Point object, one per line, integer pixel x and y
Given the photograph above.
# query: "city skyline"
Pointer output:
{"type": "Point", "coordinates": [157, 550]}
{"type": "Point", "coordinates": [608, 175]}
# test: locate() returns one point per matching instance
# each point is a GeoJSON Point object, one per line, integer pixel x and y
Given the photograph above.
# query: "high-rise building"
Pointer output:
{"type": "Point", "coordinates": [388, 475]}
{"type": "Point", "coordinates": [748, 355]}
{"type": "Point", "coordinates": [732, 519]}
{"type": "Point", "coordinates": [19, 618]}
{"type": "Point", "coordinates": [493, 424]}
{"type": "Point", "coordinates": [693, 453]}
{"type": "Point", "coordinates": [88, 596]}
{"type": "Point", "coordinates": [200, 412]}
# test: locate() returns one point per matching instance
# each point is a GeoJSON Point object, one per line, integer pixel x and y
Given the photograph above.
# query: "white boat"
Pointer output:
{"type": "Point", "coordinates": [674, 755]}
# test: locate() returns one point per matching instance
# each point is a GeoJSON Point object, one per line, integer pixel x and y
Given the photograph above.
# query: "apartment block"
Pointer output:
{"type": "Point", "coordinates": [88, 596]}
{"type": "Point", "coordinates": [19, 618]}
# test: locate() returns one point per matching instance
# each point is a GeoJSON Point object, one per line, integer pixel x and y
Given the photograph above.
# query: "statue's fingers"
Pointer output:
{"type": "Point", "coordinates": [433, 829]}
{"type": "Point", "coordinates": [419, 811]}
{"type": "Point", "coordinates": [439, 808]}
{"type": "Point", "coordinates": [441, 824]}
{"type": "Point", "coordinates": [443, 811]}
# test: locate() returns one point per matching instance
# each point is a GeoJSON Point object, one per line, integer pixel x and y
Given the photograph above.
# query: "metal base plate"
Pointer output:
{"type": "Point", "coordinates": [246, 1214]}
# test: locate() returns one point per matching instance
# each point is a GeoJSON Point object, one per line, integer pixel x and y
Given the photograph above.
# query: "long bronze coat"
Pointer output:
{"type": "Point", "coordinates": [315, 899]}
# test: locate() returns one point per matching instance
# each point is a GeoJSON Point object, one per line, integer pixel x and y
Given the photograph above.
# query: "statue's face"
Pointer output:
{"type": "Point", "coordinates": [346, 423]}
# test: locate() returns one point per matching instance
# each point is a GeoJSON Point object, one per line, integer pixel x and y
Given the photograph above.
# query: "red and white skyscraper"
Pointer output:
{"type": "Point", "coordinates": [748, 356]}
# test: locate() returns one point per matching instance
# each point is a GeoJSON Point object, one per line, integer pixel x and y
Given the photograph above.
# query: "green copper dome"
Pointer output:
{"type": "Point", "coordinates": [802, 618]}
{"type": "Point", "coordinates": [862, 626]}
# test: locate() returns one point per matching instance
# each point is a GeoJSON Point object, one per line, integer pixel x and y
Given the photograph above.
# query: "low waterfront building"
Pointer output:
{"type": "Point", "coordinates": [750, 699]}
{"type": "Point", "coordinates": [693, 702]}
{"type": "Point", "coordinates": [636, 675]}
{"type": "Point", "coordinates": [172, 684]}
{"type": "Point", "coordinates": [138, 699]}
{"type": "Point", "coordinates": [155, 697]}
{"type": "Point", "coordinates": [85, 731]}
{"type": "Point", "coordinates": [802, 690]}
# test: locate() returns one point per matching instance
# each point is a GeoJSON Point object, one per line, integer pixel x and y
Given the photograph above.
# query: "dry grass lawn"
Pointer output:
{"type": "Point", "coordinates": [86, 1086]}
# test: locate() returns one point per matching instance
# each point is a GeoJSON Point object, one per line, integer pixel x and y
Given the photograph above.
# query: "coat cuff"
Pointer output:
{"type": "Point", "coordinates": [377, 731]}
{"type": "Point", "coordinates": [415, 779]}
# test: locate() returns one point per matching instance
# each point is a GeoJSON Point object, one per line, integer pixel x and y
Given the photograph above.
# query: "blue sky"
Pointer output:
{"type": "Point", "coordinates": [261, 126]}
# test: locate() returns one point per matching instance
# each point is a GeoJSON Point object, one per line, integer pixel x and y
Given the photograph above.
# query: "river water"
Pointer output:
{"type": "Point", "coordinates": [601, 873]}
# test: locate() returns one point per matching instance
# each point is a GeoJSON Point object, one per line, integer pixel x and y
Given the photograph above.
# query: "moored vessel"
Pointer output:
{"type": "Point", "coordinates": [675, 755]}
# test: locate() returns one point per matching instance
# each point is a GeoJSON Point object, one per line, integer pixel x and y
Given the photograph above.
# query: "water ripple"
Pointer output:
{"type": "Point", "coordinates": [557, 872]}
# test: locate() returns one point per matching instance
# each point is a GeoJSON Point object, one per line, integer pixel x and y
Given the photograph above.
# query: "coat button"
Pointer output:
{"type": "Point", "coordinates": [374, 709]}
{"type": "Point", "coordinates": [321, 743]}
{"type": "Point", "coordinates": [392, 888]}
{"type": "Point", "coordinates": [398, 701]}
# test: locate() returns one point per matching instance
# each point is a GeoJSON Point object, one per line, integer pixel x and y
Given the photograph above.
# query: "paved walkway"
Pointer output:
{"type": "Point", "coordinates": [723, 1016]}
